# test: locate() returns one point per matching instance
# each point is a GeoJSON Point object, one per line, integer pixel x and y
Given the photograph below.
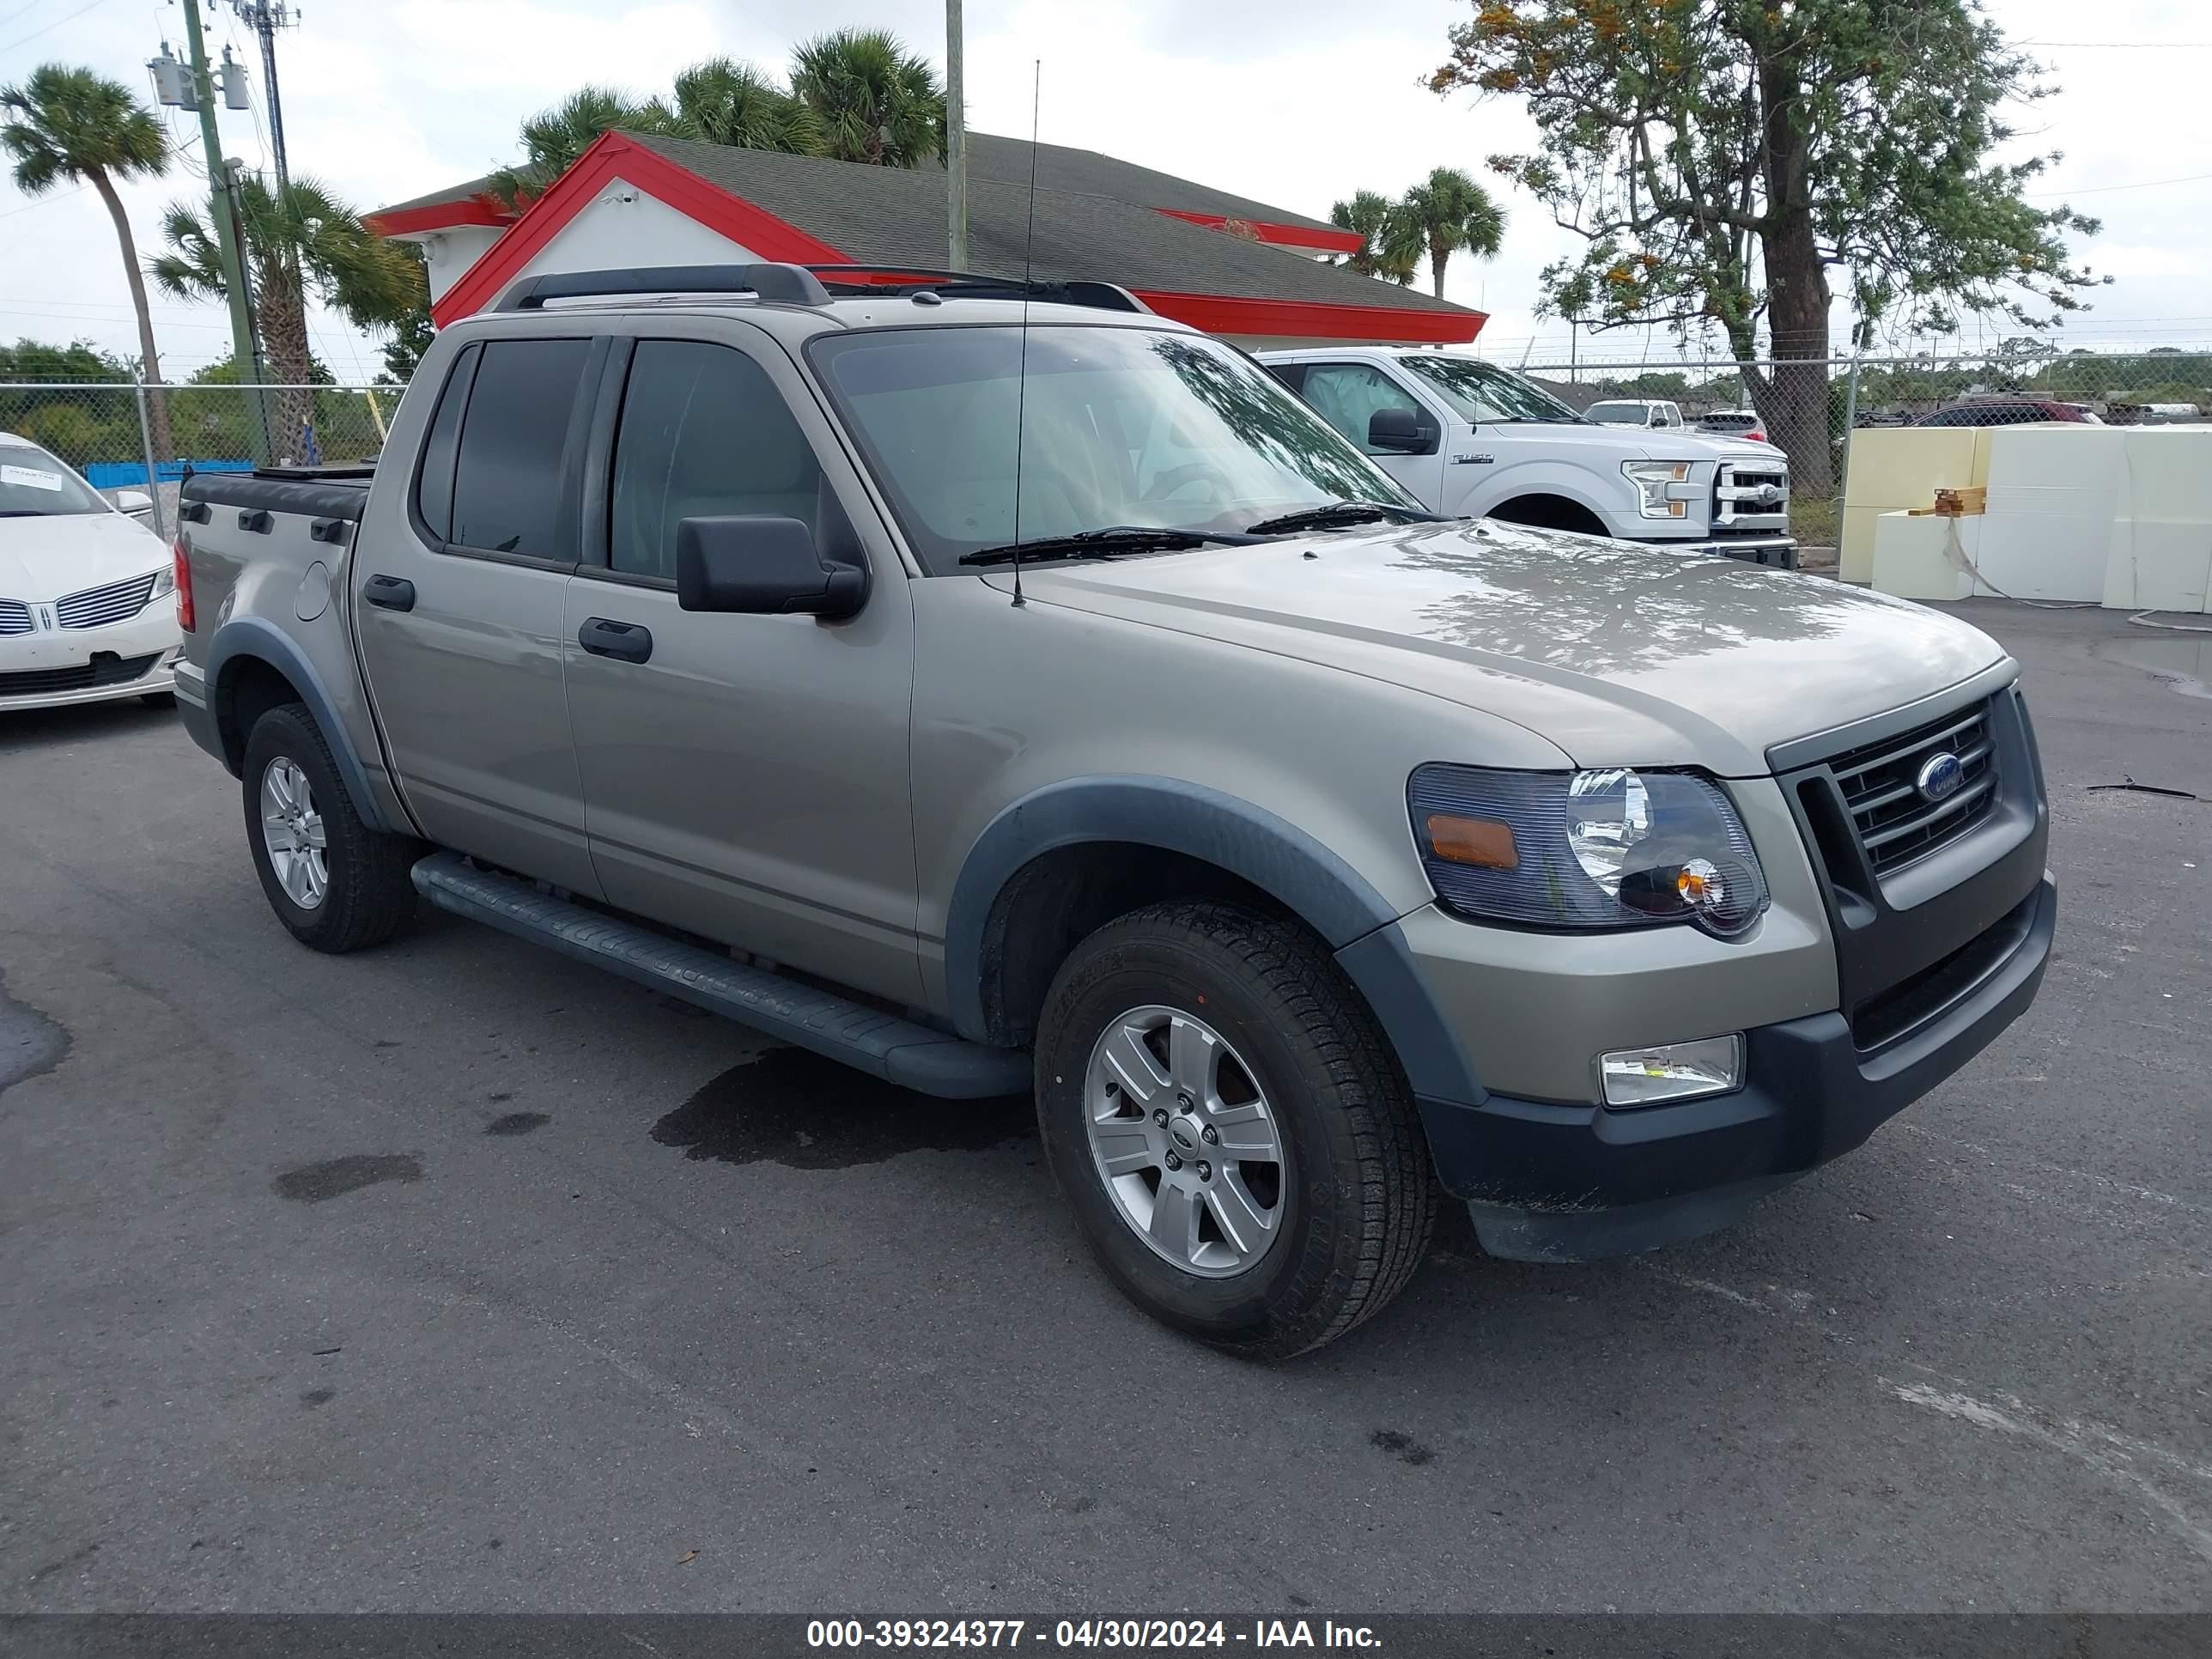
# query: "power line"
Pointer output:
{"type": "Point", "coordinates": [41, 201]}
{"type": "Point", "coordinates": [25, 40]}
{"type": "Point", "coordinates": [2105, 189]}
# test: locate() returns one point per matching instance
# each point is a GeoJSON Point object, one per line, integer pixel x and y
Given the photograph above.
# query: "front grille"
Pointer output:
{"type": "Point", "coordinates": [15, 617]}
{"type": "Point", "coordinates": [96, 607]}
{"type": "Point", "coordinates": [1880, 782]}
{"type": "Point", "coordinates": [1748, 491]}
{"type": "Point", "coordinates": [106, 668]}
{"type": "Point", "coordinates": [1918, 998]}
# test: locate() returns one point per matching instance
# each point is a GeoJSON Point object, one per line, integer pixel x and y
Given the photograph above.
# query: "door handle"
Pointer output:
{"type": "Point", "coordinates": [603, 637]}
{"type": "Point", "coordinates": [390, 593]}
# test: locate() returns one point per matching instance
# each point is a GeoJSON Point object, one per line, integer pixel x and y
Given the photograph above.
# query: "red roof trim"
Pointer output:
{"type": "Point", "coordinates": [1218, 314]}
{"type": "Point", "coordinates": [1331, 242]}
{"type": "Point", "coordinates": [613, 156]}
{"type": "Point", "coordinates": [440, 215]}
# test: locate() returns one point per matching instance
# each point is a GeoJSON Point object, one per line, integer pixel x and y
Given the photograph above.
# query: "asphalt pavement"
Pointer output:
{"type": "Point", "coordinates": [455, 1276]}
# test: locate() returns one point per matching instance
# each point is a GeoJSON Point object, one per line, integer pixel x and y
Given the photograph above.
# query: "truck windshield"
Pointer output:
{"type": "Point", "coordinates": [34, 485]}
{"type": "Point", "coordinates": [1482, 394]}
{"type": "Point", "coordinates": [1120, 428]}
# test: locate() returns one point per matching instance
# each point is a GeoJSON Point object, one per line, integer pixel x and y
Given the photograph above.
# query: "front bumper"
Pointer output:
{"type": "Point", "coordinates": [1551, 1182]}
{"type": "Point", "coordinates": [1778, 551]}
{"type": "Point", "coordinates": [55, 668]}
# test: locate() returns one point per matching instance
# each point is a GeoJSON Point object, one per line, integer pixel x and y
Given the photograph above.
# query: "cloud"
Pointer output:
{"type": "Point", "coordinates": [1295, 102]}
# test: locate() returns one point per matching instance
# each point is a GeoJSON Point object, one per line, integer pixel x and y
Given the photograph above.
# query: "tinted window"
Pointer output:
{"type": "Point", "coordinates": [434, 485]}
{"type": "Point", "coordinates": [704, 432]}
{"type": "Point", "coordinates": [1116, 427]}
{"type": "Point", "coordinates": [507, 481]}
{"type": "Point", "coordinates": [1348, 395]}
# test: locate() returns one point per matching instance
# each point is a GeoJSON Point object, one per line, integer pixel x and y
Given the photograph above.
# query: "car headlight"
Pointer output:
{"type": "Point", "coordinates": [165, 582]}
{"type": "Point", "coordinates": [1586, 850]}
{"type": "Point", "coordinates": [1663, 487]}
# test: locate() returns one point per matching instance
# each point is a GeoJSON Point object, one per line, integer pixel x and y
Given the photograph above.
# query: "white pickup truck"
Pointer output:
{"type": "Point", "coordinates": [1469, 439]}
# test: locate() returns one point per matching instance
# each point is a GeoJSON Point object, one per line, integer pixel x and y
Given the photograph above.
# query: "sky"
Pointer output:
{"type": "Point", "coordinates": [1294, 102]}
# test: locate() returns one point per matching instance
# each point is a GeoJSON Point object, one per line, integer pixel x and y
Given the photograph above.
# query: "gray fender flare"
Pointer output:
{"type": "Point", "coordinates": [1281, 860]}
{"type": "Point", "coordinates": [254, 638]}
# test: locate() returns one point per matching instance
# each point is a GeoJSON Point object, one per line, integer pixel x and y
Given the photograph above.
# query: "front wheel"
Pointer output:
{"type": "Point", "coordinates": [335, 884]}
{"type": "Point", "coordinates": [1223, 1113]}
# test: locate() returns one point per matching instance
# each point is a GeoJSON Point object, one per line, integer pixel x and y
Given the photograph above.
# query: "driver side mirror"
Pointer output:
{"type": "Point", "coordinates": [1658, 418]}
{"type": "Point", "coordinates": [1400, 431]}
{"type": "Point", "coordinates": [762, 566]}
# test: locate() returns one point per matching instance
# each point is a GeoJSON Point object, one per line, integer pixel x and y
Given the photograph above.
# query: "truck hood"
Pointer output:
{"type": "Point", "coordinates": [1616, 653]}
{"type": "Point", "coordinates": [1634, 443]}
{"type": "Point", "coordinates": [47, 558]}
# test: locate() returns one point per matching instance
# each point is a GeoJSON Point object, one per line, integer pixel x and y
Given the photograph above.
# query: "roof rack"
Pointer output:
{"type": "Point", "coordinates": [783, 284]}
{"type": "Point", "coordinates": [847, 280]}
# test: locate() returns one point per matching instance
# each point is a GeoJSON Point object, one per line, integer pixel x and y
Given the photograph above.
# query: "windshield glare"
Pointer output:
{"type": "Point", "coordinates": [1479, 393]}
{"type": "Point", "coordinates": [34, 485]}
{"type": "Point", "coordinates": [1119, 427]}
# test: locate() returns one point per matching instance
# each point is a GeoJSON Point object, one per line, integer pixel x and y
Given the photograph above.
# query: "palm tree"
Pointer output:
{"type": "Point", "coordinates": [877, 101]}
{"type": "Point", "coordinates": [73, 123]}
{"type": "Point", "coordinates": [1368, 215]}
{"type": "Point", "coordinates": [721, 101]}
{"type": "Point", "coordinates": [553, 139]}
{"type": "Point", "coordinates": [1445, 212]}
{"type": "Point", "coordinates": [300, 241]}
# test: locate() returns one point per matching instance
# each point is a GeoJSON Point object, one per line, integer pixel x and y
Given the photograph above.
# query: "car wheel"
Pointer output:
{"type": "Point", "coordinates": [335, 883]}
{"type": "Point", "coordinates": [1231, 1128]}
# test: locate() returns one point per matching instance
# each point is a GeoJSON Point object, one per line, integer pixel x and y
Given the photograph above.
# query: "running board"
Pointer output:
{"type": "Point", "coordinates": [883, 1045]}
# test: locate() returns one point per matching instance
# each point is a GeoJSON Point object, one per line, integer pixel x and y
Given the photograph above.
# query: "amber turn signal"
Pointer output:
{"type": "Point", "coordinates": [1473, 841]}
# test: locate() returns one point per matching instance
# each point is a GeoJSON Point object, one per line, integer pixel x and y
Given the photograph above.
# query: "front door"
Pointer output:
{"type": "Point", "coordinates": [1348, 395]}
{"type": "Point", "coordinates": [744, 777]}
{"type": "Point", "coordinates": [460, 582]}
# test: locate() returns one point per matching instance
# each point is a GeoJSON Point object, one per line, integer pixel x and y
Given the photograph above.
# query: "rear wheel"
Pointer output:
{"type": "Point", "coordinates": [335, 884]}
{"type": "Point", "coordinates": [1224, 1117]}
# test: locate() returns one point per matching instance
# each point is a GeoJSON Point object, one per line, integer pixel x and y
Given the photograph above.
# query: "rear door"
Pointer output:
{"type": "Point", "coordinates": [459, 587]}
{"type": "Point", "coordinates": [744, 777]}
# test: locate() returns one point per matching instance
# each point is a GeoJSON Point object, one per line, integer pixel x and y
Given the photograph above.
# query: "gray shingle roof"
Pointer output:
{"type": "Point", "coordinates": [896, 216]}
{"type": "Point", "coordinates": [461, 193]}
{"type": "Point", "coordinates": [1007, 161]}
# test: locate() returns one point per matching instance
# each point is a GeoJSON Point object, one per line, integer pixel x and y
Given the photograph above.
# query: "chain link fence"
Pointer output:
{"type": "Point", "coordinates": [2165, 384]}
{"type": "Point", "coordinates": [139, 437]}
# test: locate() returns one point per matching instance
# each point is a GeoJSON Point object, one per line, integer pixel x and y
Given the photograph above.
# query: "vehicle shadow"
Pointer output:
{"type": "Point", "coordinates": [46, 728]}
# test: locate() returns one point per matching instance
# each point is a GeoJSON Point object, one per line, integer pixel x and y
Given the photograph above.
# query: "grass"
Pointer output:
{"type": "Point", "coordinates": [1815, 519]}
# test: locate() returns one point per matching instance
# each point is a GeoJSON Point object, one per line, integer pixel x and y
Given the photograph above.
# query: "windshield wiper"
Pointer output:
{"type": "Point", "coordinates": [1103, 543]}
{"type": "Point", "coordinates": [1331, 513]}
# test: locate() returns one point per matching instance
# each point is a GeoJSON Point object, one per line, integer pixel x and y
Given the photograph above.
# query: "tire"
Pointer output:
{"type": "Point", "coordinates": [357, 893]}
{"type": "Point", "coordinates": [159, 699]}
{"type": "Point", "coordinates": [1353, 1201]}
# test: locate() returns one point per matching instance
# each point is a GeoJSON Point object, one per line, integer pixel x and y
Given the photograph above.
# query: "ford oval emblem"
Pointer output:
{"type": "Point", "coordinates": [1940, 777]}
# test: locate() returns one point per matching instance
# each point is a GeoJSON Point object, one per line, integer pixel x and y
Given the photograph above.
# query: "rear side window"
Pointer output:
{"type": "Point", "coordinates": [507, 474]}
{"type": "Point", "coordinates": [433, 484]}
{"type": "Point", "coordinates": [704, 432]}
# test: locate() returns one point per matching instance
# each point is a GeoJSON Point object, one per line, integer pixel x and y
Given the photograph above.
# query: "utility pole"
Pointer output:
{"type": "Point", "coordinates": [956, 140]}
{"type": "Point", "coordinates": [225, 225]}
{"type": "Point", "coordinates": [264, 18]}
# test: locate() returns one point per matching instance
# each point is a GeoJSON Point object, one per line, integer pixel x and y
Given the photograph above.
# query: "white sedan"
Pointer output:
{"type": "Point", "coordinates": [87, 592]}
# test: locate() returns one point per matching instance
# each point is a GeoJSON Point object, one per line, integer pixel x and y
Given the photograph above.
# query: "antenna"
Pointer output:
{"type": "Point", "coordinates": [1022, 379]}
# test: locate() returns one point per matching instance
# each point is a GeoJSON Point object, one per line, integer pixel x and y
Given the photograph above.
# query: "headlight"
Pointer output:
{"type": "Point", "coordinates": [1586, 850]}
{"type": "Point", "coordinates": [1663, 486]}
{"type": "Point", "coordinates": [165, 583]}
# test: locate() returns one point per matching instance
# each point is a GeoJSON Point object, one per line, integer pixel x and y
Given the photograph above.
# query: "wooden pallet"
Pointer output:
{"type": "Point", "coordinates": [1970, 502]}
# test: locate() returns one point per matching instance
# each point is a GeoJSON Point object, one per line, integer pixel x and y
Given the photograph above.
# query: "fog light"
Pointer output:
{"type": "Point", "coordinates": [1672, 1071]}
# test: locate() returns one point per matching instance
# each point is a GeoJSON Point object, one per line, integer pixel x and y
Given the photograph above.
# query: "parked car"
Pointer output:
{"type": "Point", "coordinates": [1469, 439]}
{"type": "Point", "coordinates": [84, 589]}
{"type": "Point", "coordinates": [1635, 412]}
{"type": "Point", "coordinates": [2011, 412]}
{"type": "Point", "coordinates": [1302, 851]}
{"type": "Point", "coordinates": [1735, 423]}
